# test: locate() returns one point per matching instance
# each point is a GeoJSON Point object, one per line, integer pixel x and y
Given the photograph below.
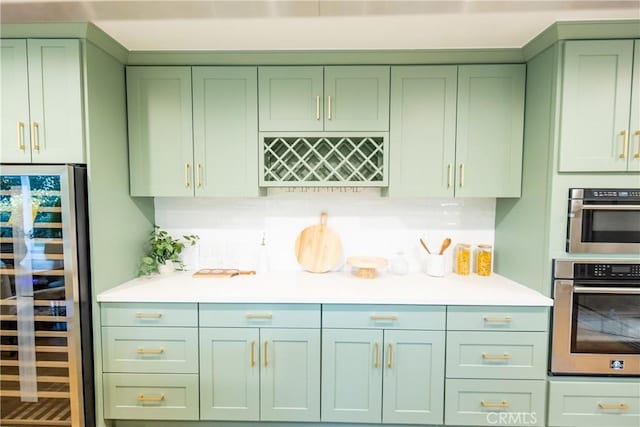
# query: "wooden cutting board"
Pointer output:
{"type": "Point", "coordinates": [318, 248]}
{"type": "Point", "coordinates": [220, 272]}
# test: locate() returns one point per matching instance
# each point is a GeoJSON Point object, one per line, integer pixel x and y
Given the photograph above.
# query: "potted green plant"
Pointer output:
{"type": "Point", "coordinates": [164, 252]}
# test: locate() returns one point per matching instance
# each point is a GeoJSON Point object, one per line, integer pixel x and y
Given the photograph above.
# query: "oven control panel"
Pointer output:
{"type": "Point", "coordinates": [606, 271]}
{"type": "Point", "coordinates": [611, 194]}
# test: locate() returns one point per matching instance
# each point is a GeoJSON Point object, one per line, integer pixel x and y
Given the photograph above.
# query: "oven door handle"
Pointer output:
{"type": "Point", "coordinates": [633, 207]}
{"type": "Point", "coordinates": [605, 290]}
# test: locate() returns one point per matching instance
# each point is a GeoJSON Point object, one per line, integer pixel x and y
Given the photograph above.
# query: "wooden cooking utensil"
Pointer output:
{"type": "Point", "coordinates": [424, 245]}
{"type": "Point", "coordinates": [445, 244]}
{"type": "Point", "coordinates": [221, 272]}
{"type": "Point", "coordinates": [367, 266]}
{"type": "Point", "coordinates": [318, 248]}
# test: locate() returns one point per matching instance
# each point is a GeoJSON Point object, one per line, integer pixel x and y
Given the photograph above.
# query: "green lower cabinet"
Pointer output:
{"type": "Point", "coordinates": [495, 402]}
{"type": "Point", "coordinates": [151, 396]}
{"type": "Point", "coordinates": [594, 403]}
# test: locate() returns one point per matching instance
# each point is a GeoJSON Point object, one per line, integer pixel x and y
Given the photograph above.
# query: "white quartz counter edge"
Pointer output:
{"type": "Point", "coordinates": [328, 288]}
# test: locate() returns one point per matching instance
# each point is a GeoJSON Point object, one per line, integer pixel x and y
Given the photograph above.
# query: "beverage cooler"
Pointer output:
{"type": "Point", "coordinates": [46, 366]}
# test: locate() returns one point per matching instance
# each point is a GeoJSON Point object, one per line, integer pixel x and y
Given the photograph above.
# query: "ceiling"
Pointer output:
{"type": "Point", "coordinates": [141, 25]}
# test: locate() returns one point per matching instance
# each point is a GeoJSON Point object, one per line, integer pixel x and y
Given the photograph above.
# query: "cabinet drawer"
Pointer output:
{"type": "Point", "coordinates": [495, 402]}
{"type": "Point", "coordinates": [594, 404]}
{"type": "Point", "coordinates": [506, 355]}
{"type": "Point", "coordinates": [151, 396]}
{"type": "Point", "coordinates": [148, 314]}
{"type": "Point", "coordinates": [260, 315]}
{"type": "Point", "coordinates": [149, 350]}
{"type": "Point", "coordinates": [383, 316]}
{"type": "Point", "coordinates": [497, 318]}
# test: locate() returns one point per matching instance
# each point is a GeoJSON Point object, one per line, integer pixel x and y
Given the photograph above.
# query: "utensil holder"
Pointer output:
{"type": "Point", "coordinates": [435, 265]}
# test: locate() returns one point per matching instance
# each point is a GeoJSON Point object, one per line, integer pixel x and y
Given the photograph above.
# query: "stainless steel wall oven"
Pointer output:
{"type": "Point", "coordinates": [596, 317]}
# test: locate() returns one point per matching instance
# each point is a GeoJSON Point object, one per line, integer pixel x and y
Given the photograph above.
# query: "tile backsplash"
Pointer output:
{"type": "Point", "coordinates": [231, 230]}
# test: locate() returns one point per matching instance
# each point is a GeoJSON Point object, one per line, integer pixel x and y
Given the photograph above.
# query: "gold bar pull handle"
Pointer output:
{"type": "Point", "coordinates": [461, 175]}
{"type": "Point", "coordinates": [148, 315]}
{"type": "Point", "coordinates": [318, 107]}
{"type": "Point", "coordinates": [377, 318]}
{"type": "Point", "coordinates": [21, 145]}
{"type": "Point", "coordinates": [329, 107]}
{"type": "Point", "coordinates": [35, 137]}
{"type": "Point", "coordinates": [141, 350]}
{"type": "Point", "coordinates": [504, 356]}
{"type": "Point", "coordinates": [390, 362]}
{"type": "Point", "coordinates": [376, 356]}
{"type": "Point", "coordinates": [199, 184]}
{"type": "Point", "coordinates": [266, 357]}
{"type": "Point", "coordinates": [503, 404]}
{"type": "Point", "coordinates": [258, 315]}
{"type": "Point", "coordinates": [252, 363]}
{"type": "Point", "coordinates": [449, 176]}
{"type": "Point", "coordinates": [625, 144]}
{"type": "Point", "coordinates": [187, 173]}
{"type": "Point", "coordinates": [614, 406]}
{"type": "Point", "coordinates": [637, 155]}
{"type": "Point", "coordinates": [143, 398]}
{"type": "Point", "coordinates": [506, 319]}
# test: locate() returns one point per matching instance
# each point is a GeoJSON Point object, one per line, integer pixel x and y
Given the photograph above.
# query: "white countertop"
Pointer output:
{"type": "Point", "coordinates": [329, 288]}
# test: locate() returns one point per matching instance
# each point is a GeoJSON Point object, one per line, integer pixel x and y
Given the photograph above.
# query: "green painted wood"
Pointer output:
{"type": "Point", "coordinates": [160, 131]}
{"type": "Point", "coordinates": [351, 383]}
{"type": "Point", "coordinates": [596, 92]}
{"type": "Point", "coordinates": [577, 403]}
{"type": "Point", "coordinates": [290, 98]}
{"type": "Point", "coordinates": [379, 316]}
{"type": "Point", "coordinates": [177, 396]}
{"type": "Point", "coordinates": [356, 98]}
{"type": "Point", "coordinates": [15, 136]}
{"type": "Point", "coordinates": [413, 383]}
{"type": "Point", "coordinates": [290, 375]}
{"type": "Point", "coordinates": [149, 314]}
{"type": "Point", "coordinates": [489, 130]}
{"type": "Point", "coordinates": [229, 381]}
{"type": "Point", "coordinates": [497, 318]}
{"type": "Point", "coordinates": [473, 355]}
{"type": "Point", "coordinates": [422, 131]}
{"type": "Point", "coordinates": [225, 131]}
{"type": "Point", "coordinates": [525, 400]}
{"type": "Point", "coordinates": [150, 350]}
{"type": "Point", "coordinates": [634, 123]}
{"type": "Point", "coordinates": [260, 315]}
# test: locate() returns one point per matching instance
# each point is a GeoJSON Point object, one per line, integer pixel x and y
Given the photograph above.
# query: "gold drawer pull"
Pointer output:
{"type": "Point", "coordinates": [376, 360]}
{"type": "Point", "coordinates": [258, 315]}
{"type": "Point", "coordinates": [506, 319]}
{"type": "Point", "coordinates": [266, 354]}
{"type": "Point", "coordinates": [384, 318]}
{"type": "Point", "coordinates": [148, 315]}
{"type": "Point", "coordinates": [503, 404]}
{"type": "Point", "coordinates": [21, 145]}
{"type": "Point", "coordinates": [252, 363]}
{"type": "Point", "coordinates": [625, 144]}
{"type": "Point", "coordinates": [637, 155]}
{"type": "Point", "coordinates": [390, 364]}
{"type": "Point", "coordinates": [141, 350]}
{"type": "Point", "coordinates": [35, 136]}
{"type": "Point", "coordinates": [143, 398]}
{"type": "Point", "coordinates": [623, 406]}
{"type": "Point", "coordinates": [496, 356]}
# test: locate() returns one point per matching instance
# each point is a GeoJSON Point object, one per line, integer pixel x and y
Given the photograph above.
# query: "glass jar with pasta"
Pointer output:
{"type": "Point", "coordinates": [463, 259]}
{"type": "Point", "coordinates": [484, 255]}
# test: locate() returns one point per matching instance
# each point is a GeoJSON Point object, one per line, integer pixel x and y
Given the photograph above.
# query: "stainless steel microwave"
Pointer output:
{"type": "Point", "coordinates": [604, 221]}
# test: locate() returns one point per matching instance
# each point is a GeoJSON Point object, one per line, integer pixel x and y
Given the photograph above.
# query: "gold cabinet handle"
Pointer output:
{"type": "Point", "coordinates": [318, 107]}
{"type": "Point", "coordinates": [187, 173]}
{"type": "Point", "coordinates": [35, 138]}
{"type": "Point", "coordinates": [376, 358]}
{"type": "Point", "coordinates": [504, 356]}
{"type": "Point", "coordinates": [391, 318]}
{"type": "Point", "coordinates": [329, 108]}
{"type": "Point", "coordinates": [21, 145]}
{"type": "Point", "coordinates": [506, 319]}
{"type": "Point", "coordinates": [637, 155]}
{"type": "Point", "coordinates": [461, 175]}
{"type": "Point", "coordinates": [258, 315]}
{"type": "Point", "coordinates": [199, 184]}
{"type": "Point", "coordinates": [625, 144]}
{"type": "Point", "coordinates": [148, 315]}
{"type": "Point", "coordinates": [449, 176]}
{"type": "Point", "coordinates": [253, 358]}
{"type": "Point", "coordinates": [612, 406]}
{"type": "Point", "coordinates": [141, 350]}
{"type": "Point", "coordinates": [503, 404]}
{"type": "Point", "coordinates": [143, 398]}
{"type": "Point", "coordinates": [266, 358]}
{"type": "Point", "coordinates": [390, 362]}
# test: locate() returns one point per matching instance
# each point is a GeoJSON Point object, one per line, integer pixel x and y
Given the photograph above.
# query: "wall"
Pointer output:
{"type": "Point", "coordinates": [231, 229]}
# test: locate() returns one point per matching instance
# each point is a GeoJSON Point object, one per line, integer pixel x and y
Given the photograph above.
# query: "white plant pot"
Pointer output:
{"type": "Point", "coordinates": [167, 267]}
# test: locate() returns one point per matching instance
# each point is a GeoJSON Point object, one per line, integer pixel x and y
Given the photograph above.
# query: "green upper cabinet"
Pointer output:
{"type": "Point", "coordinates": [186, 141]}
{"type": "Point", "coordinates": [335, 98]}
{"type": "Point", "coordinates": [225, 131]}
{"type": "Point", "coordinates": [489, 130]}
{"type": "Point", "coordinates": [595, 130]}
{"type": "Point", "coordinates": [160, 131]}
{"type": "Point", "coordinates": [423, 131]}
{"type": "Point", "coordinates": [42, 119]}
{"type": "Point", "coordinates": [634, 122]}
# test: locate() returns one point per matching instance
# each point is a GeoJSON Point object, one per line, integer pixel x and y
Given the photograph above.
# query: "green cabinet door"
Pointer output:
{"type": "Point", "coordinates": [15, 145]}
{"type": "Point", "coordinates": [422, 131]}
{"type": "Point", "coordinates": [55, 101]}
{"type": "Point", "coordinates": [596, 88]}
{"type": "Point", "coordinates": [290, 375]}
{"type": "Point", "coordinates": [490, 130]}
{"type": "Point", "coordinates": [225, 131]}
{"type": "Point", "coordinates": [413, 377]}
{"type": "Point", "coordinates": [357, 98]}
{"type": "Point", "coordinates": [229, 374]}
{"type": "Point", "coordinates": [290, 98]}
{"type": "Point", "coordinates": [352, 375]}
{"type": "Point", "coordinates": [634, 123]}
{"type": "Point", "coordinates": [160, 131]}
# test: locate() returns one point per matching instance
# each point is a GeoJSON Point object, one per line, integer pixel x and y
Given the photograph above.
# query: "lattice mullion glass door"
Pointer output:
{"type": "Point", "coordinates": [39, 350]}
